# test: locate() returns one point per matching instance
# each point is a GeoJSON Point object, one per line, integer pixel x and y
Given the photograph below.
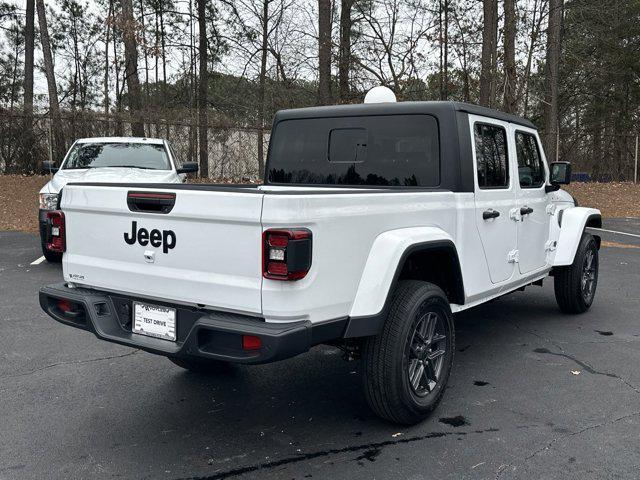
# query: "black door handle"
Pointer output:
{"type": "Point", "coordinates": [491, 213]}
{"type": "Point", "coordinates": [526, 210]}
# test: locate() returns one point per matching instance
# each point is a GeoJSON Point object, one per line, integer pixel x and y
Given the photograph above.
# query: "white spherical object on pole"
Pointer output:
{"type": "Point", "coordinates": [380, 95]}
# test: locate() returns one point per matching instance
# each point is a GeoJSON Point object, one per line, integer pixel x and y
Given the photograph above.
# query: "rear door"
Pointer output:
{"type": "Point", "coordinates": [495, 195]}
{"type": "Point", "coordinates": [533, 227]}
{"type": "Point", "coordinates": [205, 249]}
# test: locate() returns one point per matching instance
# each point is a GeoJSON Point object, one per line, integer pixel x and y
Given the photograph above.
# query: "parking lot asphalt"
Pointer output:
{"type": "Point", "coordinates": [533, 394]}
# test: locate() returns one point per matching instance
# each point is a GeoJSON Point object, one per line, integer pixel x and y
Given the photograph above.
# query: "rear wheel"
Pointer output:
{"type": "Point", "coordinates": [407, 365]}
{"type": "Point", "coordinates": [197, 365]}
{"type": "Point", "coordinates": [575, 285]}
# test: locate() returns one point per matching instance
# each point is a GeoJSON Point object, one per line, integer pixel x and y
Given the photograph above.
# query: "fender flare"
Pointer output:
{"type": "Point", "coordinates": [382, 270]}
{"type": "Point", "coordinates": [574, 220]}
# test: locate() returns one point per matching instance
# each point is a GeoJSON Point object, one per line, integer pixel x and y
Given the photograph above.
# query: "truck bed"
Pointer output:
{"type": "Point", "coordinates": [216, 261]}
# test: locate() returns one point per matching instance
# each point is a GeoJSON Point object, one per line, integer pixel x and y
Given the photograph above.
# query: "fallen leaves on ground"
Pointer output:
{"type": "Point", "coordinates": [614, 199]}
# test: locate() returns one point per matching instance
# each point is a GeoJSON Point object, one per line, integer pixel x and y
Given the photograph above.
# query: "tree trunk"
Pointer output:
{"type": "Point", "coordinates": [131, 68]}
{"type": "Point", "coordinates": [440, 54]}
{"type": "Point", "coordinates": [324, 52]}
{"type": "Point", "coordinates": [510, 105]}
{"type": "Point", "coordinates": [193, 137]}
{"type": "Point", "coordinates": [523, 90]}
{"type": "Point", "coordinates": [445, 52]}
{"type": "Point", "coordinates": [144, 90]}
{"type": "Point", "coordinates": [27, 138]}
{"type": "Point", "coordinates": [202, 90]}
{"type": "Point", "coordinates": [489, 34]}
{"type": "Point", "coordinates": [554, 30]}
{"type": "Point", "coordinates": [59, 147]}
{"type": "Point", "coordinates": [263, 81]}
{"type": "Point", "coordinates": [344, 60]}
{"type": "Point", "coordinates": [116, 67]}
{"type": "Point", "coordinates": [106, 59]}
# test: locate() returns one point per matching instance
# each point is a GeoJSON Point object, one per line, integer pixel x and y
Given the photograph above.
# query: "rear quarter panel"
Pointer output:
{"type": "Point", "coordinates": [345, 227]}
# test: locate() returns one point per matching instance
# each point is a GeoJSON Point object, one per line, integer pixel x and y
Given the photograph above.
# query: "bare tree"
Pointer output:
{"type": "Point", "coordinates": [203, 86]}
{"type": "Point", "coordinates": [537, 15]}
{"type": "Point", "coordinates": [129, 29]}
{"type": "Point", "coordinates": [393, 37]}
{"type": "Point", "coordinates": [263, 80]}
{"type": "Point", "coordinates": [344, 57]}
{"type": "Point", "coordinates": [29, 35]}
{"type": "Point", "coordinates": [554, 30]}
{"type": "Point", "coordinates": [324, 52]}
{"type": "Point", "coordinates": [443, 40]}
{"type": "Point", "coordinates": [509, 96]}
{"type": "Point", "coordinates": [106, 57]}
{"type": "Point", "coordinates": [59, 146]}
{"type": "Point", "coordinates": [489, 51]}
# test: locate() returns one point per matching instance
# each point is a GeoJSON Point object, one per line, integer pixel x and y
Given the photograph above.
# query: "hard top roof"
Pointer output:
{"type": "Point", "coordinates": [432, 107]}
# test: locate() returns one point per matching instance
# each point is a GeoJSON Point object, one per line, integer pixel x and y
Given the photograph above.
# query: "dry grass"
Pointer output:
{"type": "Point", "coordinates": [19, 199]}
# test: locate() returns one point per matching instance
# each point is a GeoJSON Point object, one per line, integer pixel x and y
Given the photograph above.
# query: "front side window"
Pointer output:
{"type": "Point", "coordinates": [491, 156]}
{"type": "Point", "coordinates": [530, 166]}
{"type": "Point", "coordinates": [384, 150]}
{"type": "Point", "coordinates": [132, 155]}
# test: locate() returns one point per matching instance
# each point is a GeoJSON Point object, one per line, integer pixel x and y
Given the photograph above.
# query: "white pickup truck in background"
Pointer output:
{"type": "Point", "coordinates": [375, 224]}
{"type": "Point", "coordinates": [108, 160]}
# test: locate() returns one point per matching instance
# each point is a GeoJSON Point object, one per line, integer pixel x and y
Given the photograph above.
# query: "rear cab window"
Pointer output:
{"type": "Point", "coordinates": [530, 167]}
{"type": "Point", "coordinates": [377, 150]}
{"type": "Point", "coordinates": [492, 157]}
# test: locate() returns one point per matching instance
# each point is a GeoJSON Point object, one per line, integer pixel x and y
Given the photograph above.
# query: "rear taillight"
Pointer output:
{"type": "Point", "coordinates": [286, 253]}
{"type": "Point", "coordinates": [56, 231]}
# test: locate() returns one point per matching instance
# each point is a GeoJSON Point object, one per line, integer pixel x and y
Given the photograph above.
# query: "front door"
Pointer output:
{"type": "Point", "coordinates": [495, 196]}
{"type": "Point", "coordinates": [533, 227]}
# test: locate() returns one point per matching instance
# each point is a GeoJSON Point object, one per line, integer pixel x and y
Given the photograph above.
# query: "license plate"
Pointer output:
{"type": "Point", "coordinates": [154, 321]}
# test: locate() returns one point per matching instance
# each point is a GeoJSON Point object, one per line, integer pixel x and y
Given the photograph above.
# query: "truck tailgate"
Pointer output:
{"type": "Point", "coordinates": [206, 250]}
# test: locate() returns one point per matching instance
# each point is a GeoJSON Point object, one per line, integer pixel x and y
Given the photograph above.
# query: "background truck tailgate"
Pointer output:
{"type": "Point", "coordinates": [215, 259]}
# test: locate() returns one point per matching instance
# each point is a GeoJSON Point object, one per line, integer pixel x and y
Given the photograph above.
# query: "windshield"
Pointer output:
{"type": "Point", "coordinates": [134, 155]}
{"type": "Point", "coordinates": [389, 150]}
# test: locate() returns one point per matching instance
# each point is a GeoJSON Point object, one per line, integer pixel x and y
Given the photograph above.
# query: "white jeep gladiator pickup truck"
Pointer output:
{"type": "Point", "coordinates": [375, 224]}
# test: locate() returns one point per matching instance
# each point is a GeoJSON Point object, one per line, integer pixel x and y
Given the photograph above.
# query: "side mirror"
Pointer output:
{"type": "Point", "coordinates": [188, 167]}
{"type": "Point", "coordinates": [48, 167]}
{"type": "Point", "coordinates": [560, 175]}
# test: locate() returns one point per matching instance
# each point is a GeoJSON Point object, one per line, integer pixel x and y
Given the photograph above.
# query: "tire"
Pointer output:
{"type": "Point", "coordinates": [407, 348]}
{"type": "Point", "coordinates": [202, 366]}
{"type": "Point", "coordinates": [575, 285]}
{"type": "Point", "coordinates": [52, 257]}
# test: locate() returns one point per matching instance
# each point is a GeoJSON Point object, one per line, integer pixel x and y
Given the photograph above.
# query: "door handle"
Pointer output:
{"type": "Point", "coordinates": [526, 210]}
{"type": "Point", "coordinates": [491, 213]}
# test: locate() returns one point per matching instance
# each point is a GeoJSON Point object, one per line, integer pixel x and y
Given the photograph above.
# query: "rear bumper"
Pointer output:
{"type": "Point", "coordinates": [200, 333]}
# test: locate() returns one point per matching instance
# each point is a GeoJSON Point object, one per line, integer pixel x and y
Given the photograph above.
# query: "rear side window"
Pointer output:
{"type": "Point", "coordinates": [491, 156]}
{"type": "Point", "coordinates": [530, 167]}
{"type": "Point", "coordinates": [385, 150]}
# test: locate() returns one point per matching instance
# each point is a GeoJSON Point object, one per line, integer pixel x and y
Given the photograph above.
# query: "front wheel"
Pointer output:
{"type": "Point", "coordinates": [575, 285]}
{"type": "Point", "coordinates": [407, 365]}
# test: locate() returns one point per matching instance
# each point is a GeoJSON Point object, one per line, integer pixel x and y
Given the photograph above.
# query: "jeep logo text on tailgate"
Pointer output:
{"type": "Point", "coordinates": [156, 238]}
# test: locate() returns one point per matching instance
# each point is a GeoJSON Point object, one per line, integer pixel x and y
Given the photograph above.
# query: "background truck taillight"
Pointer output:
{"type": "Point", "coordinates": [286, 253]}
{"type": "Point", "coordinates": [56, 231]}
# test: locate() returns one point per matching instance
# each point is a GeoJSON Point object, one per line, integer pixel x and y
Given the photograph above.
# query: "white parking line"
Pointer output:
{"type": "Point", "coordinates": [38, 261]}
{"type": "Point", "coordinates": [613, 231]}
